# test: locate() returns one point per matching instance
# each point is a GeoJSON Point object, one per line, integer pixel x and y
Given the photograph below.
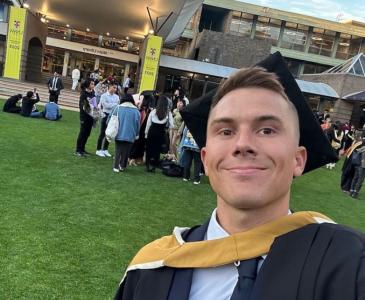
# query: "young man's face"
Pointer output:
{"type": "Point", "coordinates": [252, 151]}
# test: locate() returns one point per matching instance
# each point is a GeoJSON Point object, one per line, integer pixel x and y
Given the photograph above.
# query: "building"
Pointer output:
{"type": "Point", "coordinates": [204, 42]}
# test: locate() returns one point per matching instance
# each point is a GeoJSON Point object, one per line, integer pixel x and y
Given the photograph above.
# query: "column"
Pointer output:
{"type": "Point", "coordinates": [282, 27]}
{"type": "Point", "coordinates": [65, 63]}
{"type": "Point", "coordinates": [126, 71]}
{"type": "Point", "coordinates": [335, 45]}
{"type": "Point", "coordinates": [100, 40]}
{"type": "Point", "coordinates": [253, 28]}
{"type": "Point", "coordinates": [97, 63]}
{"type": "Point", "coordinates": [308, 41]}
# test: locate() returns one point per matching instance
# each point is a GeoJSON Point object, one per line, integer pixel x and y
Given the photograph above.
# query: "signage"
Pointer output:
{"type": "Point", "coordinates": [151, 63]}
{"type": "Point", "coordinates": [14, 45]}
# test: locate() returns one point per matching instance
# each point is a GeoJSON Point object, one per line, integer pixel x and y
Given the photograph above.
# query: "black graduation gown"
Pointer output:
{"type": "Point", "coordinates": [315, 262]}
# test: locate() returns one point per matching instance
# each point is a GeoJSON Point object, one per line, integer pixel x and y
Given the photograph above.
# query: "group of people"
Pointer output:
{"type": "Point", "coordinates": [349, 142]}
{"type": "Point", "coordinates": [26, 106]}
{"type": "Point", "coordinates": [149, 125]}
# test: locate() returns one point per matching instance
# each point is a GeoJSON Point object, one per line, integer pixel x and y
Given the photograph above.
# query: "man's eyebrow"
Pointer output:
{"type": "Point", "coordinates": [265, 118]}
{"type": "Point", "coordinates": [221, 120]}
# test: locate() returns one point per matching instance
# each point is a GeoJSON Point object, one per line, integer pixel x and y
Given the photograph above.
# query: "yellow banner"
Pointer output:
{"type": "Point", "coordinates": [14, 45]}
{"type": "Point", "coordinates": [151, 63]}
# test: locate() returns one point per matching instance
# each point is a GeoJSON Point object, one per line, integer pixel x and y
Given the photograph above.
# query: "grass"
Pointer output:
{"type": "Point", "coordinates": [69, 226]}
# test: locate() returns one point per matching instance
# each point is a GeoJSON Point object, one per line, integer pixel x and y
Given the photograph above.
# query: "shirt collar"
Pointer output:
{"type": "Point", "coordinates": [215, 230]}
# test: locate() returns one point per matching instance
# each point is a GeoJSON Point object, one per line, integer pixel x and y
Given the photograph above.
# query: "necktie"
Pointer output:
{"type": "Point", "coordinates": [54, 83]}
{"type": "Point", "coordinates": [247, 270]}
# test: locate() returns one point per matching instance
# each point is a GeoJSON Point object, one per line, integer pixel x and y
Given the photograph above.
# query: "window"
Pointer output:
{"type": "Point", "coordinates": [348, 46]}
{"type": "Point", "coordinates": [268, 28]}
{"type": "Point", "coordinates": [241, 23]}
{"type": "Point", "coordinates": [295, 36]}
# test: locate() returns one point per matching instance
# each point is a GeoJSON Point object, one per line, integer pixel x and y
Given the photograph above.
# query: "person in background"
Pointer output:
{"type": "Point", "coordinates": [127, 84]}
{"type": "Point", "coordinates": [108, 101]}
{"type": "Point", "coordinates": [191, 152]}
{"type": "Point", "coordinates": [138, 148]}
{"type": "Point", "coordinates": [100, 89]}
{"type": "Point", "coordinates": [75, 75]}
{"type": "Point", "coordinates": [159, 120]}
{"type": "Point", "coordinates": [129, 123]}
{"type": "Point", "coordinates": [174, 132]}
{"type": "Point", "coordinates": [10, 106]}
{"type": "Point", "coordinates": [335, 136]}
{"type": "Point", "coordinates": [28, 103]}
{"type": "Point", "coordinates": [350, 167]}
{"type": "Point", "coordinates": [55, 85]}
{"type": "Point", "coordinates": [87, 100]}
{"type": "Point", "coordinates": [52, 111]}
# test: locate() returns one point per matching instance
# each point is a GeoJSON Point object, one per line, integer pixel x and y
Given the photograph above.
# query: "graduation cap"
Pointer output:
{"type": "Point", "coordinates": [318, 147]}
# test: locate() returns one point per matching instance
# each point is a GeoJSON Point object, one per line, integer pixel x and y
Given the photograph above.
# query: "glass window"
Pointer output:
{"type": "Point", "coordinates": [311, 68]}
{"type": "Point", "coordinates": [241, 23]}
{"type": "Point", "coordinates": [267, 28]}
{"type": "Point", "coordinates": [294, 36]}
{"type": "Point", "coordinates": [53, 59]}
{"type": "Point", "coordinates": [2, 12]}
{"type": "Point", "coordinates": [85, 37]}
{"type": "Point", "coordinates": [57, 32]}
{"type": "Point", "coordinates": [355, 45]}
{"type": "Point", "coordinates": [327, 42]}
{"type": "Point", "coordinates": [316, 41]}
{"type": "Point", "coordinates": [348, 46]}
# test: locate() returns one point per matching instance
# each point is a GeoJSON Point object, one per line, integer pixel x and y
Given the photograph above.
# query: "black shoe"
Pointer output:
{"type": "Point", "coordinates": [79, 154]}
{"type": "Point", "coordinates": [85, 153]}
{"type": "Point", "coordinates": [151, 170]}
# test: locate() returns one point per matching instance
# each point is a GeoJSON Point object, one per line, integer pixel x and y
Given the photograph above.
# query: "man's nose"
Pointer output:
{"type": "Point", "coordinates": [245, 143]}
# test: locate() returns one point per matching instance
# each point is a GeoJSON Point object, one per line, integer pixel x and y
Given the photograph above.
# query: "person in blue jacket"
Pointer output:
{"type": "Point", "coordinates": [129, 122]}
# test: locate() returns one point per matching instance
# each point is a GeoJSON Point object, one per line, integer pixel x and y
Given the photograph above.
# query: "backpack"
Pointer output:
{"type": "Point", "coordinates": [171, 169]}
{"type": "Point", "coordinates": [113, 126]}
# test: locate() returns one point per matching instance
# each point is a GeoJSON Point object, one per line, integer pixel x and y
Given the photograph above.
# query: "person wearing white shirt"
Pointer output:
{"type": "Point", "coordinates": [108, 101]}
{"type": "Point", "coordinates": [256, 134]}
{"type": "Point", "coordinates": [127, 84]}
{"type": "Point", "coordinates": [75, 75]}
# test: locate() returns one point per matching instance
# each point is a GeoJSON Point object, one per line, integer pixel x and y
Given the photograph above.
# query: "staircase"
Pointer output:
{"type": "Point", "coordinates": [68, 98]}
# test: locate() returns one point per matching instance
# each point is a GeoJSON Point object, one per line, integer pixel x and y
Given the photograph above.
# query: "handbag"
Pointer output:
{"type": "Point", "coordinates": [113, 126]}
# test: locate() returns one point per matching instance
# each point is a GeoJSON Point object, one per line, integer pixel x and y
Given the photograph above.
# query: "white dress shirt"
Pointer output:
{"type": "Point", "coordinates": [215, 283]}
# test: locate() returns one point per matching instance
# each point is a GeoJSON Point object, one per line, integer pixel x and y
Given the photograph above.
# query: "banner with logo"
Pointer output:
{"type": "Point", "coordinates": [14, 45]}
{"type": "Point", "coordinates": [151, 63]}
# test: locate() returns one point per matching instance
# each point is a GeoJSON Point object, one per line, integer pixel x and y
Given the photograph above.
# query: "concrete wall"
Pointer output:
{"type": "Point", "coordinates": [231, 50]}
{"type": "Point", "coordinates": [34, 28]}
{"type": "Point", "coordinates": [343, 84]}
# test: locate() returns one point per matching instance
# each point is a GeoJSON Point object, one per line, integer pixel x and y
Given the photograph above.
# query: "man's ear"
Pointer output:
{"type": "Point", "coordinates": [300, 161]}
{"type": "Point", "coordinates": [203, 155]}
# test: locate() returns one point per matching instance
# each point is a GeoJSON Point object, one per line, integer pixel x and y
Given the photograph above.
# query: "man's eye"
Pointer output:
{"type": "Point", "coordinates": [267, 131]}
{"type": "Point", "coordinates": [225, 132]}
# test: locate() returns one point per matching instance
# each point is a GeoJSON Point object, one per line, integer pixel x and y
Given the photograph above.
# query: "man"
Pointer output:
{"type": "Point", "coordinates": [108, 102]}
{"type": "Point", "coordinates": [52, 111]}
{"type": "Point", "coordinates": [11, 106]}
{"type": "Point", "coordinates": [127, 84]}
{"type": "Point", "coordinates": [75, 78]}
{"type": "Point", "coordinates": [253, 246]}
{"type": "Point", "coordinates": [28, 105]}
{"type": "Point", "coordinates": [55, 85]}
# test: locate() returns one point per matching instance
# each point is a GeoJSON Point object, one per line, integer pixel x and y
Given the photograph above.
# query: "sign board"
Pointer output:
{"type": "Point", "coordinates": [14, 45]}
{"type": "Point", "coordinates": [150, 63]}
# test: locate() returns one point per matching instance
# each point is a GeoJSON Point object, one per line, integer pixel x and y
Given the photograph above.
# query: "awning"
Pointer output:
{"type": "Point", "coordinates": [358, 96]}
{"type": "Point", "coordinates": [195, 66]}
{"type": "Point", "coordinates": [317, 88]}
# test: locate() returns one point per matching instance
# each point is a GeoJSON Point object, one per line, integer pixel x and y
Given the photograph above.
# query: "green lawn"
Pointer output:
{"type": "Point", "coordinates": [69, 226]}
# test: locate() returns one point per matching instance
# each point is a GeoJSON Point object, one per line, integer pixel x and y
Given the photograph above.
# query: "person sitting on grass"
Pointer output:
{"type": "Point", "coordinates": [11, 106]}
{"type": "Point", "coordinates": [28, 103]}
{"type": "Point", "coordinates": [52, 110]}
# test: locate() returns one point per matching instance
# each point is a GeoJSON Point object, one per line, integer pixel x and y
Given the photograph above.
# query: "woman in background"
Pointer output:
{"type": "Point", "coordinates": [158, 123]}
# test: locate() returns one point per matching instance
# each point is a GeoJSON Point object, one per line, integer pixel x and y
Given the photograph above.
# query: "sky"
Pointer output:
{"type": "Point", "coordinates": [333, 10]}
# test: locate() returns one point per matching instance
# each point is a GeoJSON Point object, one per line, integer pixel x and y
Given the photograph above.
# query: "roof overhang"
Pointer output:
{"type": "Point", "coordinates": [120, 18]}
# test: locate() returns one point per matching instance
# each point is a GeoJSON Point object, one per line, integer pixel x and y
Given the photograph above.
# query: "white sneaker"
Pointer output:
{"type": "Point", "coordinates": [106, 153]}
{"type": "Point", "coordinates": [100, 153]}
{"type": "Point", "coordinates": [115, 170]}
